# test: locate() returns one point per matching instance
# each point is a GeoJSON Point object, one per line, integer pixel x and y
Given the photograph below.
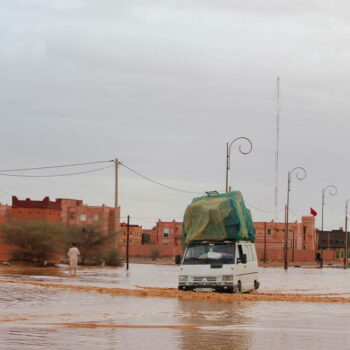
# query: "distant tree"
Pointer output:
{"type": "Point", "coordinates": [92, 243]}
{"type": "Point", "coordinates": [112, 258]}
{"type": "Point", "coordinates": [34, 241]}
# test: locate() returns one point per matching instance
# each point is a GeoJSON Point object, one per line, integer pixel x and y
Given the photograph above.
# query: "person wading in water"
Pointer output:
{"type": "Point", "coordinates": [73, 255]}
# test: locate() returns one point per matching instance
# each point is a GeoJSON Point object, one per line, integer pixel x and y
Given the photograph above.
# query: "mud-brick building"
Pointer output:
{"type": "Point", "coordinates": [169, 233]}
{"type": "Point", "coordinates": [141, 240]}
{"type": "Point", "coordinates": [28, 209]}
{"type": "Point", "coordinates": [302, 245]}
{"type": "Point", "coordinates": [65, 211]}
{"type": "Point", "coordinates": [137, 235]}
{"type": "Point", "coordinates": [75, 212]}
{"type": "Point", "coordinates": [165, 238]}
{"type": "Point", "coordinates": [334, 239]}
{"type": "Point", "coordinates": [333, 242]}
{"type": "Point", "coordinates": [62, 210]}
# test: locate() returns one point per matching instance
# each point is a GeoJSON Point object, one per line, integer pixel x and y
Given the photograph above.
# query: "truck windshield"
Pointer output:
{"type": "Point", "coordinates": [222, 253]}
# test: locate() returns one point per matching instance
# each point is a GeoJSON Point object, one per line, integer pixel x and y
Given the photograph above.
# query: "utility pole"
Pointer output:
{"type": "Point", "coordinates": [285, 248]}
{"type": "Point", "coordinates": [127, 243]}
{"type": "Point", "coordinates": [293, 244]}
{"type": "Point", "coordinates": [116, 205]}
{"type": "Point", "coordinates": [265, 255]}
{"type": "Point", "coordinates": [346, 235]}
{"type": "Point", "coordinates": [277, 145]}
{"type": "Point", "coordinates": [332, 190]}
{"type": "Point", "coordinates": [300, 175]}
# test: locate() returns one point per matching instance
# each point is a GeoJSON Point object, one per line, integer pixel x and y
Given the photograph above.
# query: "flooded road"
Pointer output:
{"type": "Point", "coordinates": [107, 308]}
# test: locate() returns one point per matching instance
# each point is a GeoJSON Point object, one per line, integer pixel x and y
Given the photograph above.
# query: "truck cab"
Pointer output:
{"type": "Point", "coordinates": [221, 266]}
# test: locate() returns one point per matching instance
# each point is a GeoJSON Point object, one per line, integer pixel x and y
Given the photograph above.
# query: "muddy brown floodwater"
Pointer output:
{"type": "Point", "coordinates": [108, 308]}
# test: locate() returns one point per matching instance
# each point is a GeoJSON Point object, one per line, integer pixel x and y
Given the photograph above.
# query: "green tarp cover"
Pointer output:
{"type": "Point", "coordinates": [218, 217]}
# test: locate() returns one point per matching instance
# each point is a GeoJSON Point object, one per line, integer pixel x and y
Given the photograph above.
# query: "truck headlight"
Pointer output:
{"type": "Point", "coordinates": [183, 278]}
{"type": "Point", "coordinates": [227, 278]}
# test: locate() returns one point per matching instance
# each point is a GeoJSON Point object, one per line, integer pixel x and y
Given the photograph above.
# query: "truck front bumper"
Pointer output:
{"type": "Point", "coordinates": [206, 287]}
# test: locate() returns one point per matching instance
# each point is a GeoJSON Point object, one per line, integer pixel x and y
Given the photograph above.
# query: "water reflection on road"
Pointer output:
{"type": "Point", "coordinates": [35, 317]}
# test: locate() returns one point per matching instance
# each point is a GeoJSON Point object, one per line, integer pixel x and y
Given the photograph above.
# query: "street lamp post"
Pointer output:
{"type": "Point", "coordinates": [346, 235]}
{"type": "Point", "coordinates": [332, 190]}
{"type": "Point", "coordinates": [228, 153]}
{"type": "Point", "coordinates": [300, 174]}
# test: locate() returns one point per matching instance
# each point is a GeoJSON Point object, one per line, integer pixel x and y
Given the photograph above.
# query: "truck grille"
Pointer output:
{"type": "Point", "coordinates": [204, 280]}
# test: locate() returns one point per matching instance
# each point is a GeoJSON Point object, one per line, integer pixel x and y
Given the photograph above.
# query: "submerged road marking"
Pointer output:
{"type": "Point", "coordinates": [174, 293]}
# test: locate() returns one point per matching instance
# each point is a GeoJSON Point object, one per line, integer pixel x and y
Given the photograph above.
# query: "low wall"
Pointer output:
{"type": "Point", "coordinates": [148, 249]}
{"type": "Point", "coordinates": [299, 255]}
{"type": "Point", "coordinates": [5, 252]}
{"type": "Point", "coordinates": [271, 254]}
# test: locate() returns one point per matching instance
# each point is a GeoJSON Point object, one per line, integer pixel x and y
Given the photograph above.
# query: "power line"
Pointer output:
{"type": "Point", "coordinates": [3, 173]}
{"type": "Point", "coordinates": [58, 175]}
{"type": "Point", "coordinates": [262, 210]}
{"type": "Point", "coordinates": [158, 183]}
{"type": "Point", "coordinates": [56, 166]}
{"type": "Point", "coordinates": [180, 190]}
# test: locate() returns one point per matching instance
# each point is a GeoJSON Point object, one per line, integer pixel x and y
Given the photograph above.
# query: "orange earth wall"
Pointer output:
{"type": "Point", "coordinates": [299, 255]}
{"type": "Point", "coordinates": [148, 250]}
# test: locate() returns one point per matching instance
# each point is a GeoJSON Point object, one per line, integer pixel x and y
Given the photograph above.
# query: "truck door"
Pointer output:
{"type": "Point", "coordinates": [242, 266]}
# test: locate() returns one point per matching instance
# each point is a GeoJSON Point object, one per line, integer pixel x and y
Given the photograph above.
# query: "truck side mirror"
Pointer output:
{"type": "Point", "coordinates": [177, 259]}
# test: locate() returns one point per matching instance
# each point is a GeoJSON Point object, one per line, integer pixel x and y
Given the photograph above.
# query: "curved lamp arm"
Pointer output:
{"type": "Point", "coordinates": [300, 173]}
{"type": "Point", "coordinates": [240, 146]}
{"type": "Point", "coordinates": [241, 150]}
{"type": "Point", "coordinates": [331, 190]}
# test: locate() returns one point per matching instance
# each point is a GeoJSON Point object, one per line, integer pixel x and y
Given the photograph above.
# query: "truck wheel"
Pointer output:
{"type": "Point", "coordinates": [239, 287]}
{"type": "Point", "coordinates": [256, 285]}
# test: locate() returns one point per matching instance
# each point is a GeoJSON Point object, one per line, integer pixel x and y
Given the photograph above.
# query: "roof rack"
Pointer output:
{"type": "Point", "coordinates": [212, 193]}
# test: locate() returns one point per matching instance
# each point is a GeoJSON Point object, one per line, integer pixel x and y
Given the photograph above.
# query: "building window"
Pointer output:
{"type": "Point", "coordinates": [166, 232]}
{"type": "Point", "coordinates": [96, 217]}
{"type": "Point", "coordinates": [83, 217]}
{"type": "Point", "coordinates": [269, 232]}
{"type": "Point", "coordinates": [146, 238]}
{"type": "Point", "coordinates": [165, 243]}
{"type": "Point", "coordinates": [72, 216]}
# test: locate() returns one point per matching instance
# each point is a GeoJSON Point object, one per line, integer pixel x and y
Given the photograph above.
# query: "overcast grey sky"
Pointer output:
{"type": "Point", "coordinates": [163, 85]}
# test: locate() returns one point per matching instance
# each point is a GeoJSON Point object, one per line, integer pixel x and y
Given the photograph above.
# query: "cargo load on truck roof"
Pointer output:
{"type": "Point", "coordinates": [218, 217]}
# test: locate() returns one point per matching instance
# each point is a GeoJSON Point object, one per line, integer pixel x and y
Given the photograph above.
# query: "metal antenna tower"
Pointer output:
{"type": "Point", "coordinates": [277, 145]}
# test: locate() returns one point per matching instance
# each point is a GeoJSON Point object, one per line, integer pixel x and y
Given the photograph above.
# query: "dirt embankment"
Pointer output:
{"type": "Point", "coordinates": [174, 293]}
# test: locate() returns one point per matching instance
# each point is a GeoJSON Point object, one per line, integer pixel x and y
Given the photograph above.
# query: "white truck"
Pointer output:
{"type": "Point", "coordinates": [220, 254]}
{"type": "Point", "coordinates": [219, 266]}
